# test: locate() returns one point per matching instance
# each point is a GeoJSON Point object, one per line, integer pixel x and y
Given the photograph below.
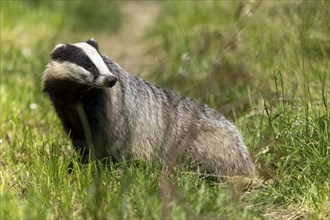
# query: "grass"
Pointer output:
{"type": "Point", "coordinates": [265, 66]}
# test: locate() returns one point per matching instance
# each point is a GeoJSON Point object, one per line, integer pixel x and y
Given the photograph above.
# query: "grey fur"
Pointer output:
{"type": "Point", "coordinates": [136, 119]}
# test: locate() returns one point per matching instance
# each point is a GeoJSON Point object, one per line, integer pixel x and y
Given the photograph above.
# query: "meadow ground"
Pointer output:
{"type": "Point", "coordinates": [265, 65]}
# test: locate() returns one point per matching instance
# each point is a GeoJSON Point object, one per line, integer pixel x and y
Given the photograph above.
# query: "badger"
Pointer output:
{"type": "Point", "coordinates": [110, 113]}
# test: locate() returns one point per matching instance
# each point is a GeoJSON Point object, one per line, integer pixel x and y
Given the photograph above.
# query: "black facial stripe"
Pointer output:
{"type": "Point", "coordinates": [75, 55]}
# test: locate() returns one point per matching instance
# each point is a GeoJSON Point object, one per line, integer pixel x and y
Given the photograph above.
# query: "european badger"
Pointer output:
{"type": "Point", "coordinates": [110, 113]}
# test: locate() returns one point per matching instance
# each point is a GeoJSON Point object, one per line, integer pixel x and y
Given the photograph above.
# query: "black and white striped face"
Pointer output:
{"type": "Point", "coordinates": [81, 63]}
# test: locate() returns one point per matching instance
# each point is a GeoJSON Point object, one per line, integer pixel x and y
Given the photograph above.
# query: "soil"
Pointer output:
{"type": "Point", "coordinates": [127, 46]}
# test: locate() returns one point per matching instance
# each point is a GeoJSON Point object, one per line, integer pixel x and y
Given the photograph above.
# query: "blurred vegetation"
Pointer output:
{"type": "Point", "coordinates": [214, 51]}
{"type": "Point", "coordinates": [265, 65]}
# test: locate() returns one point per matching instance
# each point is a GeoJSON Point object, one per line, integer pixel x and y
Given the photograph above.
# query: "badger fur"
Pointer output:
{"type": "Point", "coordinates": [108, 112]}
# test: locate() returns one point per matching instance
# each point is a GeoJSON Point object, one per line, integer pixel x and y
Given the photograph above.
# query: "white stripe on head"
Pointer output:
{"type": "Point", "coordinates": [95, 57]}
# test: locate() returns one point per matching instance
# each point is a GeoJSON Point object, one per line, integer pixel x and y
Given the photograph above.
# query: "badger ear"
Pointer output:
{"type": "Point", "coordinates": [58, 51]}
{"type": "Point", "coordinates": [58, 46]}
{"type": "Point", "coordinates": [93, 43]}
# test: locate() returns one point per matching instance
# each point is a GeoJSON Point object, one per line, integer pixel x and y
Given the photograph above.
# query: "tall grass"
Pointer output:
{"type": "Point", "coordinates": [264, 65]}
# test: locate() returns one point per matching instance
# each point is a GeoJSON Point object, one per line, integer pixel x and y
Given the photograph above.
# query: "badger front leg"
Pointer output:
{"type": "Point", "coordinates": [80, 146]}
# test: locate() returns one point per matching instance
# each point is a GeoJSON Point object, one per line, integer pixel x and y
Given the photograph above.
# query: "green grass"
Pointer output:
{"type": "Point", "coordinates": [265, 66]}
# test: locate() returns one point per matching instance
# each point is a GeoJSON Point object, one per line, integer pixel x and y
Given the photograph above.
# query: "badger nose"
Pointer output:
{"type": "Point", "coordinates": [111, 81]}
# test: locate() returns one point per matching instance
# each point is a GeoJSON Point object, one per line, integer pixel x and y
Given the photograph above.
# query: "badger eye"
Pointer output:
{"type": "Point", "coordinates": [89, 67]}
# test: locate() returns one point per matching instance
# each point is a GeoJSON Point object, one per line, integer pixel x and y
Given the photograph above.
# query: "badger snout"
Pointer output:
{"type": "Point", "coordinates": [103, 80]}
{"type": "Point", "coordinates": [111, 81]}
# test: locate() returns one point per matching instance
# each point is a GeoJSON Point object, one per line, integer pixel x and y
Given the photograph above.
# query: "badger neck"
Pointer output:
{"type": "Point", "coordinates": [68, 98]}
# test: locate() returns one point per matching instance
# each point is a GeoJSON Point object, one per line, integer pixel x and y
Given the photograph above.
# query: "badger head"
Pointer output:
{"type": "Point", "coordinates": [78, 64]}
